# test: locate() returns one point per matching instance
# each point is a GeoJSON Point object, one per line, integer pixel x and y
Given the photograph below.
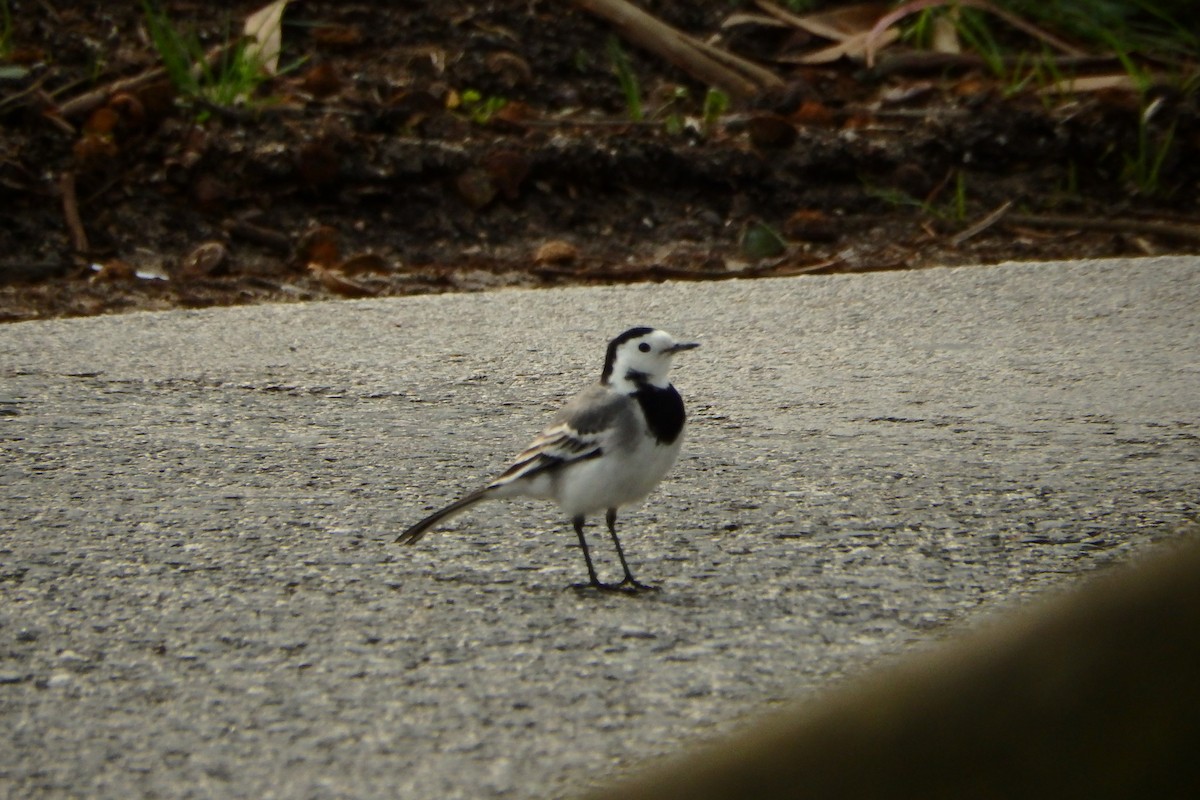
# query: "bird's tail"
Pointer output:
{"type": "Point", "coordinates": [414, 534]}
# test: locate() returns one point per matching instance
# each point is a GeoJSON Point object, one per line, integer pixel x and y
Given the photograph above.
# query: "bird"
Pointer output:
{"type": "Point", "coordinates": [608, 447]}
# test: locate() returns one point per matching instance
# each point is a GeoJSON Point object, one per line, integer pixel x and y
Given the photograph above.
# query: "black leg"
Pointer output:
{"type": "Point", "coordinates": [578, 523]}
{"type": "Point", "coordinates": [630, 581]}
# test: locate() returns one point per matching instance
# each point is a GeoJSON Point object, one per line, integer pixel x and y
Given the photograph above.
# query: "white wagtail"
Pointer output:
{"type": "Point", "coordinates": [608, 447]}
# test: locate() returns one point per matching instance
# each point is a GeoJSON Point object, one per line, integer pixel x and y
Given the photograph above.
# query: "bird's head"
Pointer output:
{"type": "Point", "coordinates": [641, 356]}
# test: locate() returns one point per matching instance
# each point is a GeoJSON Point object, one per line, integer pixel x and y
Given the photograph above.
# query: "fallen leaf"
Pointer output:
{"type": "Point", "coordinates": [12, 72]}
{"type": "Point", "coordinates": [945, 33]}
{"type": "Point", "coordinates": [321, 80]}
{"type": "Point", "coordinates": [812, 225]}
{"type": "Point", "coordinates": [320, 246]}
{"type": "Point", "coordinates": [812, 112]}
{"type": "Point", "coordinates": [130, 108]}
{"type": "Point", "coordinates": [318, 163]}
{"type": "Point", "coordinates": [205, 260]}
{"type": "Point", "coordinates": [476, 186]}
{"type": "Point", "coordinates": [838, 25]}
{"type": "Point", "coordinates": [876, 38]}
{"type": "Point", "coordinates": [770, 131]}
{"type": "Point", "coordinates": [508, 68]}
{"type": "Point", "coordinates": [508, 170]}
{"type": "Point", "coordinates": [364, 263]}
{"type": "Point", "coordinates": [739, 18]}
{"type": "Point", "coordinates": [337, 35]}
{"type": "Point", "coordinates": [209, 193]}
{"type": "Point", "coordinates": [514, 112]}
{"type": "Point", "coordinates": [907, 92]}
{"type": "Point", "coordinates": [857, 47]}
{"type": "Point", "coordinates": [972, 87]}
{"type": "Point", "coordinates": [112, 270]}
{"type": "Point", "coordinates": [1093, 83]}
{"type": "Point", "coordinates": [556, 251]}
{"type": "Point", "coordinates": [102, 122]}
{"type": "Point", "coordinates": [760, 241]}
{"type": "Point", "coordinates": [337, 283]}
{"type": "Point", "coordinates": [93, 149]}
{"type": "Point", "coordinates": [158, 101]}
{"type": "Point", "coordinates": [425, 60]}
{"type": "Point", "coordinates": [265, 29]}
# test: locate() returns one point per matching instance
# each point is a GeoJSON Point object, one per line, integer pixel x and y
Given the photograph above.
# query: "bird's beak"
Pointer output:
{"type": "Point", "coordinates": [678, 346]}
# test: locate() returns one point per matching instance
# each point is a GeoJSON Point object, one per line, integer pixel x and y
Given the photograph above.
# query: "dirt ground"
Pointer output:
{"type": "Point", "coordinates": [422, 147]}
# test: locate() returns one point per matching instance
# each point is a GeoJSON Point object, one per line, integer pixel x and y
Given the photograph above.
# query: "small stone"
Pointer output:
{"type": "Point", "coordinates": [71, 657]}
{"type": "Point", "coordinates": [59, 680]}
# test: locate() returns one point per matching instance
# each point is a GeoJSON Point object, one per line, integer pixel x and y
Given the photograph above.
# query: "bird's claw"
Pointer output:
{"type": "Point", "coordinates": [628, 586]}
{"type": "Point", "coordinates": [632, 584]}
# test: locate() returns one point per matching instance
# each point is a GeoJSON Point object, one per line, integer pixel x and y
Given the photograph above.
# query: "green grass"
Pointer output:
{"type": "Point", "coordinates": [976, 33]}
{"type": "Point", "coordinates": [6, 29]}
{"type": "Point", "coordinates": [1163, 27]}
{"type": "Point", "coordinates": [630, 86]}
{"type": "Point", "coordinates": [480, 108]}
{"type": "Point", "coordinates": [918, 32]}
{"type": "Point", "coordinates": [180, 54]}
{"type": "Point", "coordinates": [960, 196]}
{"type": "Point", "coordinates": [1142, 168]}
{"type": "Point", "coordinates": [1137, 32]}
{"type": "Point", "coordinates": [716, 103]}
{"type": "Point", "coordinates": [953, 209]}
{"type": "Point", "coordinates": [233, 81]}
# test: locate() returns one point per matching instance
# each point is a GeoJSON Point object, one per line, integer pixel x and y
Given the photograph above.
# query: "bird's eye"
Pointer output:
{"type": "Point", "coordinates": [644, 347]}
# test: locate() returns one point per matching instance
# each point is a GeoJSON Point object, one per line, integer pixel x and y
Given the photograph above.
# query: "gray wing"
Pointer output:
{"type": "Point", "coordinates": [580, 431]}
{"type": "Point", "coordinates": [594, 410]}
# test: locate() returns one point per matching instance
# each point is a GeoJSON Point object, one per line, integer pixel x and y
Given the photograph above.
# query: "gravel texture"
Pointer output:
{"type": "Point", "coordinates": [200, 597]}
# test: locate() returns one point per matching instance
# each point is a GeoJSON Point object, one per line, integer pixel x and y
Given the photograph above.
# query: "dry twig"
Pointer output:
{"type": "Point", "coordinates": [269, 238]}
{"type": "Point", "coordinates": [1170, 230]}
{"type": "Point", "coordinates": [919, 62]}
{"type": "Point", "coordinates": [89, 101]}
{"type": "Point", "coordinates": [915, 6]}
{"type": "Point", "coordinates": [982, 225]}
{"type": "Point", "coordinates": [704, 62]}
{"type": "Point", "coordinates": [66, 186]}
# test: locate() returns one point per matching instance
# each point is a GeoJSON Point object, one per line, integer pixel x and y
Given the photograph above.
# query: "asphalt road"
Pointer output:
{"type": "Point", "coordinates": [200, 597]}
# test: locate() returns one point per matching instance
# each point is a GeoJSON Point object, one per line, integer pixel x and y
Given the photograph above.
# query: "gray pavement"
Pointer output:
{"type": "Point", "coordinates": [199, 594]}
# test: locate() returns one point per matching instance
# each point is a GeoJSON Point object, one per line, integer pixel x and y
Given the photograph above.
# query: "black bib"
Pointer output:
{"type": "Point", "coordinates": [664, 411]}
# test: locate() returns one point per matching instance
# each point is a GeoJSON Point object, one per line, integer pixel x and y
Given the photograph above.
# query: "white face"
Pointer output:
{"type": "Point", "coordinates": [643, 358]}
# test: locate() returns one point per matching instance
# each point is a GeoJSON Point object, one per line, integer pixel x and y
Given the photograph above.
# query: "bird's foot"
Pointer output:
{"type": "Point", "coordinates": [628, 586]}
{"type": "Point", "coordinates": [632, 584]}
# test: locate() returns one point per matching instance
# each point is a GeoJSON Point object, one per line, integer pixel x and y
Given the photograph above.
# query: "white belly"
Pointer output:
{"type": "Point", "coordinates": [610, 481]}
